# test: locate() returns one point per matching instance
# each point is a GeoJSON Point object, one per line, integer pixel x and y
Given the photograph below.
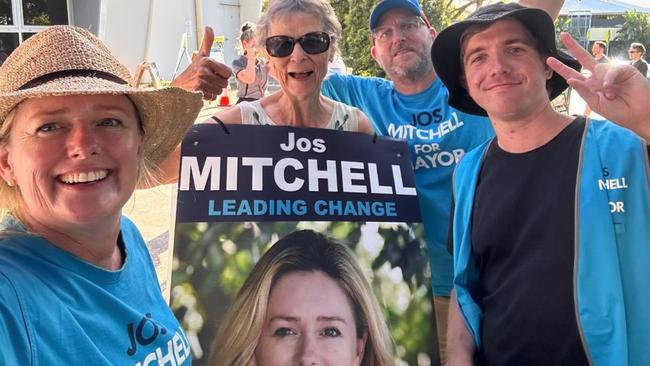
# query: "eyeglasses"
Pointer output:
{"type": "Point", "coordinates": [407, 27]}
{"type": "Point", "coordinates": [312, 43]}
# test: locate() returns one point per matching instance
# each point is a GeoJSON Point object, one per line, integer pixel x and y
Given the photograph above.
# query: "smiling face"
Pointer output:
{"type": "Point", "coordinates": [407, 53]}
{"type": "Point", "coordinates": [74, 159]}
{"type": "Point", "coordinates": [300, 74]}
{"type": "Point", "coordinates": [309, 320]}
{"type": "Point", "coordinates": [504, 72]}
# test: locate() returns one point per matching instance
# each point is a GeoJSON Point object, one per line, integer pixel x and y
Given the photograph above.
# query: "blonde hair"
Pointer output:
{"type": "Point", "coordinates": [304, 250]}
{"type": "Point", "coordinates": [8, 194]}
{"type": "Point", "coordinates": [247, 32]}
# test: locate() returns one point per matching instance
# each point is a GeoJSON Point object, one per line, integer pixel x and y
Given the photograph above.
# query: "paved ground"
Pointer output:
{"type": "Point", "coordinates": [151, 210]}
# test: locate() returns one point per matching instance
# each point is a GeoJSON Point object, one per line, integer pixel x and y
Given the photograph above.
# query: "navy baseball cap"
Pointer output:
{"type": "Point", "coordinates": [386, 5]}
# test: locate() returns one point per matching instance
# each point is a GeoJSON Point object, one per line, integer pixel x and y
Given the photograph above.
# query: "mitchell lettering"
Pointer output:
{"type": "Point", "coordinates": [291, 175]}
{"type": "Point", "coordinates": [174, 353]}
{"type": "Point", "coordinates": [409, 132]}
{"type": "Point", "coordinates": [611, 184]}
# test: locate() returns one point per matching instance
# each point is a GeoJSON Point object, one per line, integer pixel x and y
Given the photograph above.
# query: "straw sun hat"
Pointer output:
{"type": "Point", "coordinates": [65, 60]}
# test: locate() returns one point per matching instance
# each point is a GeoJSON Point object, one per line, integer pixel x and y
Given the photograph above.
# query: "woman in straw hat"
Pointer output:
{"type": "Point", "coordinates": [77, 284]}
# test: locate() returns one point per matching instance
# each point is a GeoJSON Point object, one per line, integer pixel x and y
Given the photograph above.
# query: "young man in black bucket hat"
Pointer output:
{"type": "Point", "coordinates": [550, 230]}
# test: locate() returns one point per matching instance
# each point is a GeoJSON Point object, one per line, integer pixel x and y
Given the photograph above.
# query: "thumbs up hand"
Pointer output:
{"type": "Point", "coordinates": [204, 74]}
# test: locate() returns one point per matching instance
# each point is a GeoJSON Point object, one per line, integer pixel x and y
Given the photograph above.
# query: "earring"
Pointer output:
{"type": "Point", "coordinates": [9, 183]}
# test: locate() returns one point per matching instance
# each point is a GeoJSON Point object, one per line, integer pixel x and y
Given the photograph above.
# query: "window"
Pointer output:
{"type": "Point", "coordinates": [20, 19]}
{"type": "Point", "coordinates": [580, 24]}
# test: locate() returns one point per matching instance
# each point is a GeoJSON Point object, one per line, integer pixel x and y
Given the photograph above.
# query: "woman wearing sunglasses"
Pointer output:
{"type": "Point", "coordinates": [299, 37]}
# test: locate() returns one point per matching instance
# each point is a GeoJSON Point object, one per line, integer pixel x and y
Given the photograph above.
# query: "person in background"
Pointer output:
{"type": "Point", "coordinates": [550, 234]}
{"type": "Point", "coordinates": [77, 283]}
{"type": "Point", "coordinates": [599, 50]}
{"type": "Point", "coordinates": [413, 106]}
{"type": "Point", "coordinates": [306, 302]}
{"type": "Point", "coordinates": [636, 52]}
{"type": "Point", "coordinates": [250, 71]}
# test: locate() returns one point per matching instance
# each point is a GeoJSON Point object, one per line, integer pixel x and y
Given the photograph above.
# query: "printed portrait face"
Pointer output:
{"type": "Point", "coordinates": [74, 159]}
{"type": "Point", "coordinates": [309, 320]}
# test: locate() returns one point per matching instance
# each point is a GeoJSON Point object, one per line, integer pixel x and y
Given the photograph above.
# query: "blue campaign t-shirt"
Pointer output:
{"type": "Point", "coordinates": [437, 135]}
{"type": "Point", "coordinates": [56, 309]}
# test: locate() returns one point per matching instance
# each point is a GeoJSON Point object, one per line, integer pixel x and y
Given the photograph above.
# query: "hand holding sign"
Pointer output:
{"type": "Point", "coordinates": [204, 74]}
{"type": "Point", "coordinates": [619, 93]}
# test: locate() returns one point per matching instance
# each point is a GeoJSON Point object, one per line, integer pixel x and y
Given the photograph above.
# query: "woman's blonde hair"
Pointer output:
{"type": "Point", "coordinates": [304, 250]}
{"type": "Point", "coordinates": [8, 193]}
{"type": "Point", "coordinates": [247, 32]}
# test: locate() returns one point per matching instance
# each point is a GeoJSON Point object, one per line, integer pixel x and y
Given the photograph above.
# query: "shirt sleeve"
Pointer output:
{"type": "Point", "coordinates": [238, 65]}
{"type": "Point", "coordinates": [347, 89]}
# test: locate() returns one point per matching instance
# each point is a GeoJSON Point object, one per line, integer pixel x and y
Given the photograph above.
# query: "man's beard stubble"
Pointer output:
{"type": "Point", "coordinates": [411, 72]}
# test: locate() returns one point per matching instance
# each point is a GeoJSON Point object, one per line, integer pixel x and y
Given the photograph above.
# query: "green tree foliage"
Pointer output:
{"type": "Point", "coordinates": [563, 24]}
{"type": "Point", "coordinates": [635, 29]}
{"type": "Point", "coordinates": [356, 42]}
{"type": "Point", "coordinates": [356, 39]}
{"type": "Point", "coordinates": [44, 12]}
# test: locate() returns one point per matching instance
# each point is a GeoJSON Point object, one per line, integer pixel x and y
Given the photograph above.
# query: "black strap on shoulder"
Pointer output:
{"type": "Point", "coordinates": [221, 123]}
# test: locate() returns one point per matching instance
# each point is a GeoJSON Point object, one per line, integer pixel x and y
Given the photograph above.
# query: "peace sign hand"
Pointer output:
{"type": "Point", "coordinates": [619, 93]}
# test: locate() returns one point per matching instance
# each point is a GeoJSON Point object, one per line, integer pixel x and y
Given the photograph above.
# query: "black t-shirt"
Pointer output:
{"type": "Point", "coordinates": [523, 244]}
{"type": "Point", "coordinates": [642, 66]}
{"type": "Point", "coordinates": [522, 241]}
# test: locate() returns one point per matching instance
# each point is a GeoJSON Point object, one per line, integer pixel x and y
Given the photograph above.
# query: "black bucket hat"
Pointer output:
{"type": "Point", "coordinates": [445, 52]}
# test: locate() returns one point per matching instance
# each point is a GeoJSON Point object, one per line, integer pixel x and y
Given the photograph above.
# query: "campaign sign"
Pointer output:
{"type": "Point", "coordinates": [262, 215]}
{"type": "Point", "coordinates": [268, 173]}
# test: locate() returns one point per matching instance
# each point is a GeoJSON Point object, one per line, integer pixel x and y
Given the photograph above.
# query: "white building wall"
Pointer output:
{"type": "Point", "coordinates": [171, 18]}
{"type": "Point", "coordinates": [223, 17]}
{"type": "Point", "coordinates": [124, 26]}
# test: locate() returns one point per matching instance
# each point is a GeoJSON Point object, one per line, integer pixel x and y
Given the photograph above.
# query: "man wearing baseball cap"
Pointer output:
{"type": "Point", "coordinates": [413, 106]}
{"type": "Point", "coordinates": [551, 240]}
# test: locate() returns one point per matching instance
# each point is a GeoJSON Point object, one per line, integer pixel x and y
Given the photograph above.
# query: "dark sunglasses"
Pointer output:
{"type": "Point", "coordinates": [312, 43]}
